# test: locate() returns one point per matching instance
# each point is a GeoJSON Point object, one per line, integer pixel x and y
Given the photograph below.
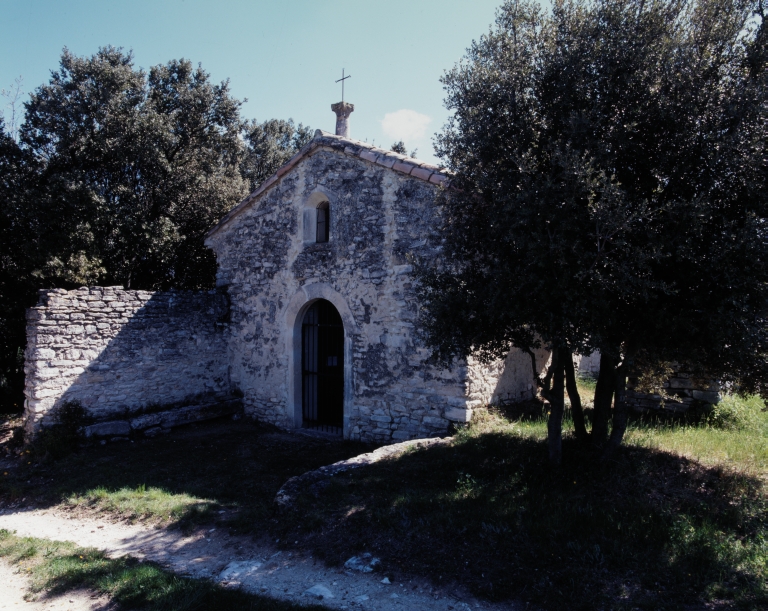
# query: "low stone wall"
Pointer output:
{"type": "Point", "coordinates": [121, 352]}
{"type": "Point", "coordinates": [685, 389]}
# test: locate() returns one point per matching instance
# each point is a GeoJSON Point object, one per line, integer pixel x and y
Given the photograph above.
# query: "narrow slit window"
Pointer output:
{"type": "Point", "coordinates": [323, 222]}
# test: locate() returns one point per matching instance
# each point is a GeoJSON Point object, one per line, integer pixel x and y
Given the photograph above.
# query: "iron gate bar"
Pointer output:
{"type": "Point", "coordinates": [323, 368]}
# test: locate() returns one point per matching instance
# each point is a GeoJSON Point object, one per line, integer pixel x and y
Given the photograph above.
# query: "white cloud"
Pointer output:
{"type": "Point", "coordinates": [407, 125]}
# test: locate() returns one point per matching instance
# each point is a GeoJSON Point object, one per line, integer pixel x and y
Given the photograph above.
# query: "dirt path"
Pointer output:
{"type": "Point", "coordinates": [237, 561]}
{"type": "Point", "coordinates": [13, 587]}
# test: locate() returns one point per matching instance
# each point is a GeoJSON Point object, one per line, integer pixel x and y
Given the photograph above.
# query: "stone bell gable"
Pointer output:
{"type": "Point", "coordinates": [382, 216]}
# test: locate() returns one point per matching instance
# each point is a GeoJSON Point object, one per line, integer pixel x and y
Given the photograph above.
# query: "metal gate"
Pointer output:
{"type": "Point", "coordinates": [322, 367]}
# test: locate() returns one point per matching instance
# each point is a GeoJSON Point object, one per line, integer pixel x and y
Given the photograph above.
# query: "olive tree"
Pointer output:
{"type": "Point", "coordinates": [608, 193]}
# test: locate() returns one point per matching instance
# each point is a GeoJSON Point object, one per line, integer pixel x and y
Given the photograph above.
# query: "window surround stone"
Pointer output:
{"type": "Point", "coordinates": [309, 217]}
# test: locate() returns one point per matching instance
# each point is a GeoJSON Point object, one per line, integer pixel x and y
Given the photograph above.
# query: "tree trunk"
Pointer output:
{"type": "Point", "coordinates": [620, 411]}
{"type": "Point", "coordinates": [606, 382]}
{"type": "Point", "coordinates": [579, 426]}
{"type": "Point", "coordinates": [556, 404]}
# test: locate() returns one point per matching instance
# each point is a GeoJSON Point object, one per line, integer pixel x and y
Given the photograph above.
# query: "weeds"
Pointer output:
{"type": "Point", "coordinates": [678, 518]}
{"type": "Point", "coordinates": [739, 413]}
{"type": "Point", "coordinates": [650, 530]}
{"type": "Point", "coordinates": [58, 567]}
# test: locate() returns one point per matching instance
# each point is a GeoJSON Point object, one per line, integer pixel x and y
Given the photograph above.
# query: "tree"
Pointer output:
{"type": "Point", "coordinates": [17, 286]}
{"type": "Point", "coordinates": [13, 106]}
{"type": "Point", "coordinates": [270, 145]}
{"type": "Point", "coordinates": [117, 175]}
{"type": "Point", "coordinates": [135, 167]}
{"type": "Point", "coordinates": [399, 147]}
{"type": "Point", "coordinates": [609, 193]}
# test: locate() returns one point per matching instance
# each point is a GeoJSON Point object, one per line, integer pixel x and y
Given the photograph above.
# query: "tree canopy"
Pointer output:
{"type": "Point", "coordinates": [270, 145]}
{"type": "Point", "coordinates": [609, 194]}
{"type": "Point", "coordinates": [117, 175]}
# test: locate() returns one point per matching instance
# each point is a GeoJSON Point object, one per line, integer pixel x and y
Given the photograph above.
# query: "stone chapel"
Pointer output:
{"type": "Point", "coordinates": [312, 323]}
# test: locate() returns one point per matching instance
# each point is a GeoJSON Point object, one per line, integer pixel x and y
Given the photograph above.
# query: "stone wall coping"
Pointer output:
{"type": "Point", "coordinates": [324, 141]}
{"type": "Point", "coordinates": [88, 291]}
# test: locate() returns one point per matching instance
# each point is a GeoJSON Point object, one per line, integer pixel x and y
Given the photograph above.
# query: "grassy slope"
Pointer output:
{"type": "Point", "coordinates": [648, 530]}
{"type": "Point", "coordinates": [186, 477]}
{"type": "Point", "coordinates": [59, 567]}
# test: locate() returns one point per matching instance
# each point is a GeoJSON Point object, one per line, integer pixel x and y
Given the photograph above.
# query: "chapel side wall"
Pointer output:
{"type": "Point", "coordinates": [508, 380]}
{"type": "Point", "coordinates": [378, 220]}
{"type": "Point", "coordinates": [118, 351]}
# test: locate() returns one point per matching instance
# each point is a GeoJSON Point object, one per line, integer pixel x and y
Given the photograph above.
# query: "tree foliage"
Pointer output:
{"type": "Point", "coordinates": [609, 194]}
{"type": "Point", "coordinates": [270, 145]}
{"type": "Point", "coordinates": [117, 176]}
{"type": "Point", "coordinates": [134, 168]}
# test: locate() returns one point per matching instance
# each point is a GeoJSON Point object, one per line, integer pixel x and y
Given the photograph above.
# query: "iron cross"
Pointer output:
{"type": "Point", "coordinates": [342, 79]}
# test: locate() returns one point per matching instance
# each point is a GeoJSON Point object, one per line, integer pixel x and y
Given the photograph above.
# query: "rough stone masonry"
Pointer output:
{"type": "Point", "coordinates": [138, 360]}
{"type": "Point", "coordinates": [383, 217]}
{"type": "Point", "coordinates": [126, 355]}
{"type": "Point", "coordinates": [121, 354]}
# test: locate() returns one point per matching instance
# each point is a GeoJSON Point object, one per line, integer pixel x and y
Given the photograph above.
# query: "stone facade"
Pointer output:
{"type": "Point", "coordinates": [684, 388]}
{"type": "Point", "coordinates": [137, 360]}
{"type": "Point", "coordinates": [119, 352]}
{"type": "Point", "coordinates": [123, 355]}
{"type": "Point", "coordinates": [383, 218]}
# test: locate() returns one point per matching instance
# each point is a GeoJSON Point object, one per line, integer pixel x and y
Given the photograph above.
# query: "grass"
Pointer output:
{"type": "Point", "coordinates": [186, 478]}
{"type": "Point", "coordinates": [57, 567]}
{"type": "Point", "coordinates": [677, 518]}
{"type": "Point", "coordinates": [733, 435]}
{"type": "Point", "coordinates": [649, 530]}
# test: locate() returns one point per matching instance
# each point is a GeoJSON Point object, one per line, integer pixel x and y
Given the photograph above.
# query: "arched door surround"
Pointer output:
{"type": "Point", "coordinates": [294, 315]}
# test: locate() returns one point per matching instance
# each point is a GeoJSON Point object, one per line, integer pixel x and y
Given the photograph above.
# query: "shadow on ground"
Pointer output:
{"type": "Point", "coordinates": [189, 475]}
{"type": "Point", "coordinates": [57, 568]}
{"type": "Point", "coordinates": [646, 530]}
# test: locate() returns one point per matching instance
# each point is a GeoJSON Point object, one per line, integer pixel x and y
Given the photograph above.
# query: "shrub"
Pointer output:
{"type": "Point", "coordinates": [737, 413]}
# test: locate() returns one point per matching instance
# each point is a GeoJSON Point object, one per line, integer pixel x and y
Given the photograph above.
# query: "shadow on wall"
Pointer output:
{"type": "Point", "coordinates": [515, 382]}
{"type": "Point", "coordinates": [120, 353]}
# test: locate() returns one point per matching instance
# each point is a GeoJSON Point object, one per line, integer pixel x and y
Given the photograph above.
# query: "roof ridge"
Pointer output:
{"type": "Point", "coordinates": [354, 148]}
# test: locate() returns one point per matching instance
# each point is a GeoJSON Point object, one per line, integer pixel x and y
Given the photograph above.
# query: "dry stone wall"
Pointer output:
{"type": "Point", "coordinates": [120, 352]}
{"type": "Point", "coordinates": [684, 389]}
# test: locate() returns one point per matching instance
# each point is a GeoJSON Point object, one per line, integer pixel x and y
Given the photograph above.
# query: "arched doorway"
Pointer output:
{"type": "Point", "coordinates": [322, 368]}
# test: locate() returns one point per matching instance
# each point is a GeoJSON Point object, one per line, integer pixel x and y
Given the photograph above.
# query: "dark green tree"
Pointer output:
{"type": "Point", "coordinates": [399, 147]}
{"type": "Point", "coordinates": [135, 168]}
{"type": "Point", "coordinates": [116, 178]}
{"type": "Point", "coordinates": [270, 144]}
{"type": "Point", "coordinates": [610, 194]}
{"type": "Point", "coordinates": [17, 254]}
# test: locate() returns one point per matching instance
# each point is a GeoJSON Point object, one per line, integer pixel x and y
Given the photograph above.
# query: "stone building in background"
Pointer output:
{"type": "Point", "coordinates": [320, 326]}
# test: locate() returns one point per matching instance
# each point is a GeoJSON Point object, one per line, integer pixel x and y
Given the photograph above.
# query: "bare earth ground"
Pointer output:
{"type": "Point", "coordinates": [207, 553]}
{"type": "Point", "coordinates": [13, 587]}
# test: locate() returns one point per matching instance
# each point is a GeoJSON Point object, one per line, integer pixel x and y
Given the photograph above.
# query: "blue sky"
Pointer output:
{"type": "Point", "coordinates": [283, 56]}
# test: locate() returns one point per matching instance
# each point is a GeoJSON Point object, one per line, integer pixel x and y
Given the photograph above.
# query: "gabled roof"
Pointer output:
{"type": "Point", "coordinates": [353, 148]}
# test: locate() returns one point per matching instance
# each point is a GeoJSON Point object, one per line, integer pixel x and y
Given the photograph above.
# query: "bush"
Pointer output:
{"type": "Point", "coordinates": [737, 413]}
